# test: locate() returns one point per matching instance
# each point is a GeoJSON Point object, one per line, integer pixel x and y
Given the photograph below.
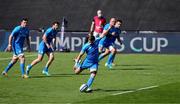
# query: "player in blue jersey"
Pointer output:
{"type": "Point", "coordinates": [112, 49]}
{"type": "Point", "coordinates": [91, 60]}
{"type": "Point", "coordinates": [47, 46]}
{"type": "Point", "coordinates": [108, 30]}
{"type": "Point", "coordinates": [108, 42]}
{"type": "Point", "coordinates": [16, 42]}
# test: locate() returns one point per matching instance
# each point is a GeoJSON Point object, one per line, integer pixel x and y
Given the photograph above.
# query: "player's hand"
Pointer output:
{"type": "Point", "coordinates": [76, 60]}
{"type": "Point", "coordinates": [9, 48]}
{"type": "Point", "coordinates": [113, 33]}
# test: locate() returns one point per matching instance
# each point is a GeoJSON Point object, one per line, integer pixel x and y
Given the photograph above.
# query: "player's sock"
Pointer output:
{"type": "Point", "coordinates": [8, 67]}
{"type": "Point", "coordinates": [113, 59]}
{"type": "Point", "coordinates": [101, 56]}
{"type": "Point", "coordinates": [22, 68]}
{"type": "Point", "coordinates": [28, 68]}
{"type": "Point", "coordinates": [46, 69]}
{"type": "Point", "coordinates": [90, 81]}
{"type": "Point", "coordinates": [110, 58]}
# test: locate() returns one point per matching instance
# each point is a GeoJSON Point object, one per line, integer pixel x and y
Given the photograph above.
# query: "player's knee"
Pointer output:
{"type": "Point", "coordinates": [14, 61]}
{"type": "Point", "coordinates": [93, 74]}
{"type": "Point", "coordinates": [77, 71]}
{"type": "Point", "coordinates": [113, 50]}
{"type": "Point", "coordinates": [22, 58]}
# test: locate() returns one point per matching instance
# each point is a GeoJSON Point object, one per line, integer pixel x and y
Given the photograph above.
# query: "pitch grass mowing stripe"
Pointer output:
{"type": "Point", "coordinates": [8, 58]}
{"type": "Point", "coordinates": [144, 88]}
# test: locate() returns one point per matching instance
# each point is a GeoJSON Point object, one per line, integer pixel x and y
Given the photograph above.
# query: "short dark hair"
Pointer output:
{"type": "Point", "coordinates": [119, 20]}
{"type": "Point", "coordinates": [55, 22]}
{"type": "Point", "coordinates": [24, 19]}
{"type": "Point", "coordinates": [89, 37]}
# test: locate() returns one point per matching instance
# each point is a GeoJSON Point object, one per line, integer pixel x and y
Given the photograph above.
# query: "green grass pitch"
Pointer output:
{"type": "Point", "coordinates": [119, 85]}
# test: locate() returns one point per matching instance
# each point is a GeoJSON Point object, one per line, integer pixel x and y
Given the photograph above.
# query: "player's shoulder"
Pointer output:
{"type": "Point", "coordinates": [106, 26]}
{"type": "Point", "coordinates": [86, 44]}
{"type": "Point", "coordinates": [95, 17]}
{"type": "Point", "coordinates": [17, 28]}
{"type": "Point", "coordinates": [49, 30]}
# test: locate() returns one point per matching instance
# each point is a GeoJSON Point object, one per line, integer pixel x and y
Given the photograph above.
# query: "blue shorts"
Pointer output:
{"type": "Point", "coordinates": [105, 44]}
{"type": "Point", "coordinates": [91, 66]}
{"type": "Point", "coordinates": [43, 49]}
{"type": "Point", "coordinates": [17, 51]}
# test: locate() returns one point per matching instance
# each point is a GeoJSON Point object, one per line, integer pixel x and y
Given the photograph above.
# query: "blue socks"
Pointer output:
{"type": "Point", "coordinates": [22, 68]}
{"type": "Point", "coordinates": [8, 67]}
{"type": "Point", "coordinates": [90, 81]}
{"type": "Point", "coordinates": [46, 69]}
{"type": "Point", "coordinates": [29, 67]}
{"type": "Point", "coordinates": [110, 58]}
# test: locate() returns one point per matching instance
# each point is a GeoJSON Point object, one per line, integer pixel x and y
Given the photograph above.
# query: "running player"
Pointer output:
{"type": "Point", "coordinates": [107, 42]}
{"type": "Point", "coordinates": [112, 47]}
{"type": "Point", "coordinates": [47, 46]}
{"type": "Point", "coordinates": [16, 42]}
{"type": "Point", "coordinates": [109, 29]}
{"type": "Point", "coordinates": [91, 60]}
{"type": "Point", "coordinates": [98, 24]}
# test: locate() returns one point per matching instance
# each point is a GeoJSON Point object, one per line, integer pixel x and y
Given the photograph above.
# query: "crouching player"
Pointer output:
{"type": "Point", "coordinates": [16, 42]}
{"type": "Point", "coordinates": [46, 46]}
{"type": "Point", "coordinates": [91, 60]}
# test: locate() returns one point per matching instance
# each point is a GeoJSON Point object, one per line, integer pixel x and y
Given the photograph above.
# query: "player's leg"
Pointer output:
{"type": "Point", "coordinates": [11, 63]}
{"type": "Point", "coordinates": [111, 56]}
{"type": "Point", "coordinates": [79, 67]}
{"type": "Point", "coordinates": [34, 62]}
{"type": "Point", "coordinates": [102, 55]}
{"type": "Point", "coordinates": [113, 64]}
{"type": "Point", "coordinates": [50, 60]}
{"type": "Point", "coordinates": [22, 64]}
{"type": "Point", "coordinates": [93, 71]}
{"type": "Point", "coordinates": [77, 70]}
{"type": "Point", "coordinates": [100, 46]}
{"type": "Point", "coordinates": [91, 78]}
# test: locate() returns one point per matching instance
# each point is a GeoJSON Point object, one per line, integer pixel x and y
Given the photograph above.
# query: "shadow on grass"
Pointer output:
{"type": "Point", "coordinates": [56, 75]}
{"type": "Point", "coordinates": [132, 69]}
{"type": "Point", "coordinates": [134, 65]}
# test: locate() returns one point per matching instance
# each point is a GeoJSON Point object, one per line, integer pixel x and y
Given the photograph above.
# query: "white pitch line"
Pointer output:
{"type": "Point", "coordinates": [124, 92]}
{"type": "Point", "coordinates": [139, 89]}
{"type": "Point", "coordinates": [150, 87]}
{"type": "Point", "coordinates": [2, 59]}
